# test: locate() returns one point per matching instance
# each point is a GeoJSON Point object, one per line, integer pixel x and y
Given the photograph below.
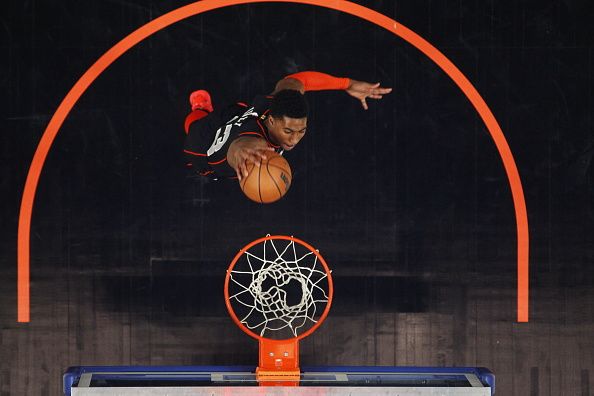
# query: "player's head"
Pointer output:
{"type": "Point", "coordinates": [287, 119]}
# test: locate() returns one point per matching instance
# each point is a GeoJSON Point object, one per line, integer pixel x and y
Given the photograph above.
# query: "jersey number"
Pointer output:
{"type": "Point", "coordinates": [219, 141]}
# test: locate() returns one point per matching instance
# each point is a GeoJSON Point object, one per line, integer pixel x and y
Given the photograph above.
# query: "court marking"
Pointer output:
{"type": "Point", "coordinates": [28, 197]}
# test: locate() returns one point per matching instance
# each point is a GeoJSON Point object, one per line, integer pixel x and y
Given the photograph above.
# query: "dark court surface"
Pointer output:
{"type": "Point", "coordinates": [408, 202]}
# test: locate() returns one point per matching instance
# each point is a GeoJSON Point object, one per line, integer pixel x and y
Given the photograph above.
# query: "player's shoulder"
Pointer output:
{"type": "Point", "coordinates": [250, 124]}
{"type": "Point", "coordinates": [261, 103]}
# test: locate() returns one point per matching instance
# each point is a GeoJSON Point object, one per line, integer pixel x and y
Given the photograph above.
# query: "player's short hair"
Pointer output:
{"type": "Point", "coordinates": [289, 103]}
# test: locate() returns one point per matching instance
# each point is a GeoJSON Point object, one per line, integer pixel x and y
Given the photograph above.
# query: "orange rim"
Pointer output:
{"type": "Point", "coordinates": [286, 238]}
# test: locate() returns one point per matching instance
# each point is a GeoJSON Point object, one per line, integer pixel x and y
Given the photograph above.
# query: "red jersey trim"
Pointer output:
{"type": "Point", "coordinates": [252, 133]}
{"type": "Point", "coordinates": [194, 116]}
{"type": "Point", "coordinates": [193, 153]}
{"type": "Point", "coordinates": [218, 162]}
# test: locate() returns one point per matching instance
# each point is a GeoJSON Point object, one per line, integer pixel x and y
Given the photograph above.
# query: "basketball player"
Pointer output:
{"type": "Point", "coordinates": [221, 143]}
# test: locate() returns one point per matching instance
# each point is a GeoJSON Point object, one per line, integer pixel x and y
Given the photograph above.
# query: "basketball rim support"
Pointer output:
{"type": "Point", "coordinates": [279, 362]}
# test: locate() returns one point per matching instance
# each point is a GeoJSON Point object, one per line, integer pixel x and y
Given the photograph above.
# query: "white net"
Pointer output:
{"type": "Point", "coordinates": [278, 289]}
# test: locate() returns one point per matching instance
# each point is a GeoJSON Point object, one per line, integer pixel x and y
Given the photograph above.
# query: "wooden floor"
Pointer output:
{"type": "Point", "coordinates": [469, 323]}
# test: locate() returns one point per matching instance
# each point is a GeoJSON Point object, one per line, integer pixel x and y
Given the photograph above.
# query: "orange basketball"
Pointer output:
{"type": "Point", "coordinates": [269, 182]}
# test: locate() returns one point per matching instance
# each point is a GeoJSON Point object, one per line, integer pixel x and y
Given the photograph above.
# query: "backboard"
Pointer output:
{"type": "Point", "coordinates": [241, 380]}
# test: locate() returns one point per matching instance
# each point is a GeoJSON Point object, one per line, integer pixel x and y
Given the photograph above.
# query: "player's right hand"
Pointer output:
{"type": "Point", "coordinates": [245, 151]}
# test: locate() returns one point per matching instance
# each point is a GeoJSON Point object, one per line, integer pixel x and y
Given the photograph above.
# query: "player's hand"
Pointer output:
{"type": "Point", "coordinates": [245, 151]}
{"type": "Point", "coordinates": [362, 90]}
{"type": "Point", "coordinates": [246, 156]}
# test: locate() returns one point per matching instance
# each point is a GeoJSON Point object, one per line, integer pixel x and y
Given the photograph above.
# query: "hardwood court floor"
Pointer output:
{"type": "Point", "coordinates": [99, 318]}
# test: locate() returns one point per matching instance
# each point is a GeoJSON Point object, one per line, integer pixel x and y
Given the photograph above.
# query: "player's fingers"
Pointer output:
{"type": "Point", "coordinates": [261, 155]}
{"type": "Point", "coordinates": [254, 158]}
{"type": "Point", "coordinates": [249, 155]}
{"type": "Point", "coordinates": [259, 151]}
{"type": "Point", "coordinates": [244, 170]}
{"type": "Point", "coordinates": [237, 167]}
{"type": "Point", "coordinates": [381, 91]}
{"type": "Point", "coordinates": [375, 96]}
{"type": "Point", "coordinates": [364, 104]}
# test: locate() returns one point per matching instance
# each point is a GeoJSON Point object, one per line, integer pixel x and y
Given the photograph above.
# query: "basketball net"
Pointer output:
{"type": "Point", "coordinates": [278, 289]}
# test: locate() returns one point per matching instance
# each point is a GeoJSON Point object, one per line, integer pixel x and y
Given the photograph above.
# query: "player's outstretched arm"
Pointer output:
{"type": "Point", "coordinates": [246, 150]}
{"type": "Point", "coordinates": [316, 81]}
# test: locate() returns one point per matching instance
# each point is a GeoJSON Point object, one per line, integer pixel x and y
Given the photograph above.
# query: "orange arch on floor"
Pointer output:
{"type": "Point", "coordinates": [28, 198]}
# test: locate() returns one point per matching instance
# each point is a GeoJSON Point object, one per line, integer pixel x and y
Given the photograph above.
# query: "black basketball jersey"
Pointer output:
{"type": "Point", "coordinates": [209, 138]}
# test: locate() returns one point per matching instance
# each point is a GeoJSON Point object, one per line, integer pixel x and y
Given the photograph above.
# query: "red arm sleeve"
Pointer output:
{"type": "Point", "coordinates": [316, 81]}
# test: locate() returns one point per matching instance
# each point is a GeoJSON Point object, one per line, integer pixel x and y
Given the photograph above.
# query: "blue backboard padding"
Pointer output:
{"type": "Point", "coordinates": [73, 374]}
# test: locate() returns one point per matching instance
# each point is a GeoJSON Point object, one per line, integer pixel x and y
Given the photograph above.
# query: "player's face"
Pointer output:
{"type": "Point", "coordinates": [286, 132]}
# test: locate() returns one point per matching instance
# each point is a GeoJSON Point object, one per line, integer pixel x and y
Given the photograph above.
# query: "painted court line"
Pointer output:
{"type": "Point", "coordinates": [28, 198]}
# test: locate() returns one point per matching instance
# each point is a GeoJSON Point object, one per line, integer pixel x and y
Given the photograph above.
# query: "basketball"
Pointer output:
{"type": "Point", "coordinates": [269, 182]}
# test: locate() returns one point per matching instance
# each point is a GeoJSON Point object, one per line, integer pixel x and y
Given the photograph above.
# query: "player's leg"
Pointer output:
{"type": "Point", "coordinates": [201, 100]}
{"type": "Point", "coordinates": [201, 107]}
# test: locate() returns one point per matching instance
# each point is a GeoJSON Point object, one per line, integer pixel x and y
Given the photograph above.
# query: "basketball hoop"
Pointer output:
{"type": "Point", "coordinates": [278, 290]}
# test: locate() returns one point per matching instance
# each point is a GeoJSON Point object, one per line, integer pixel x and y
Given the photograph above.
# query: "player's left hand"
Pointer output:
{"type": "Point", "coordinates": [362, 90]}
